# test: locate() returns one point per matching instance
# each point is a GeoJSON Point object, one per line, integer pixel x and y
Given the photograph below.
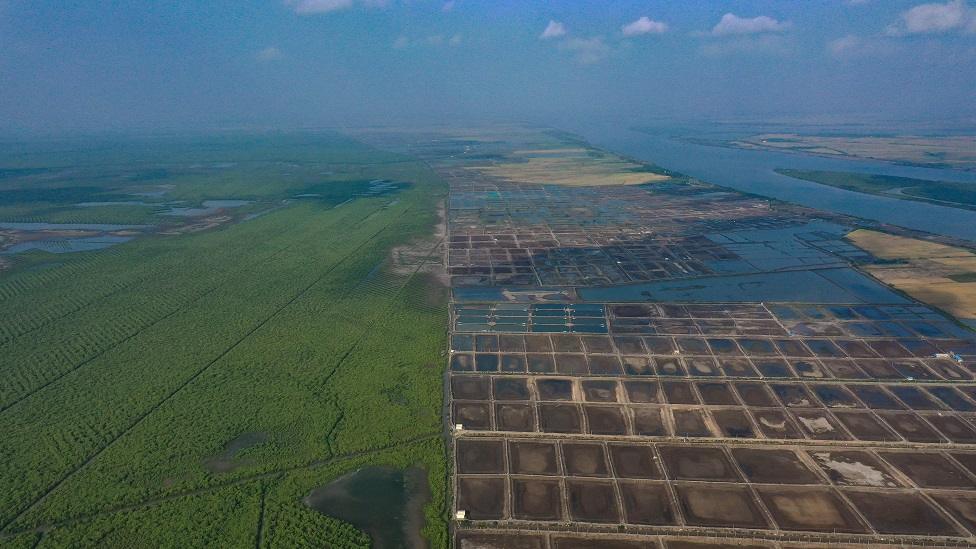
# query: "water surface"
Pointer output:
{"type": "Point", "coordinates": [67, 245]}
{"type": "Point", "coordinates": [68, 226]}
{"type": "Point", "coordinates": [835, 285]}
{"type": "Point", "coordinates": [386, 503]}
{"type": "Point", "coordinates": [227, 460]}
{"type": "Point", "coordinates": [752, 171]}
{"type": "Point", "coordinates": [208, 207]}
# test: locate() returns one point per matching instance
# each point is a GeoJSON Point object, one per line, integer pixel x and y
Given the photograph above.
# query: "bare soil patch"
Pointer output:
{"type": "Point", "coordinates": [633, 461]}
{"type": "Point", "coordinates": [809, 508]}
{"type": "Point", "coordinates": [511, 388]}
{"type": "Point", "coordinates": [773, 466]}
{"type": "Point", "coordinates": [597, 390]}
{"type": "Point", "coordinates": [480, 456]}
{"type": "Point", "coordinates": [533, 458]}
{"type": "Point", "coordinates": [719, 505]}
{"type": "Point", "coordinates": [535, 499]}
{"type": "Point", "coordinates": [605, 420]}
{"type": "Point", "coordinates": [475, 540]}
{"type": "Point", "coordinates": [649, 422]}
{"type": "Point", "coordinates": [646, 503]}
{"type": "Point", "coordinates": [560, 418]}
{"type": "Point", "coordinates": [593, 501]}
{"type": "Point", "coordinates": [697, 463]}
{"type": "Point", "coordinates": [515, 417]}
{"type": "Point", "coordinates": [900, 513]}
{"type": "Point", "coordinates": [585, 459]}
{"type": "Point", "coordinates": [482, 498]}
{"type": "Point", "coordinates": [470, 387]}
{"type": "Point", "coordinates": [472, 415]}
{"type": "Point", "coordinates": [643, 391]}
{"type": "Point", "coordinates": [929, 470]}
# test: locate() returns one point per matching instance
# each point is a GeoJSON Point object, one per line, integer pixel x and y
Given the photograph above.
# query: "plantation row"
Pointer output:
{"type": "Point", "coordinates": [296, 402]}
{"type": "Point", "coordinates": [73, 339]}
{"type": "Point", "coordinates": [134, 378]}
{"type": "Point", "coordinates": [211, 252]}
{"type": "Point", "coordinates": [111, 215]}
{"type": "Point", "coordinates": [25, 281]}
{"type": "Point", "coordinates": [293, 325]}
{"type": "Point", "coordinates": [231, 516]}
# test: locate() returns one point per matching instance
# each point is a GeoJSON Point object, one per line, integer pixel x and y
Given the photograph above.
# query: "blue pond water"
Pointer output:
{"type": "Point", "coordinates": [68, 226]}
{"type": "Point", "coordinates": [839, 285]}
{"type": "Point", "coordinates": [67, 245]}
{"type": "Point", "coordinates": [209, 207]}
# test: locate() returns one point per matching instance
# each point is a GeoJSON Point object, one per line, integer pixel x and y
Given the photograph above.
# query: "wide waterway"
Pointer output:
{"type": "Point", "coordinates": [752, 171]}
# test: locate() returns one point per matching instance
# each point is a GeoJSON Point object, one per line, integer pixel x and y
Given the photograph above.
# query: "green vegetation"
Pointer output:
{"type": "Point", "coordinates": [963, 277]}
{"type": "Point", "coordinates": [943, 192]}
{"type": "Point", "coordinates": [126, 370]}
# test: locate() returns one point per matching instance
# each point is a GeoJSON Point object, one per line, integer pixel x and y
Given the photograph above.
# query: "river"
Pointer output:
{"type": "Point", "coordinates": [752, 171]}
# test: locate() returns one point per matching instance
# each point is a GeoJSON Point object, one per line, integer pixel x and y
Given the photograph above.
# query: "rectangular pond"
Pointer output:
{"type": "Point", "coordinates": [840, 285]}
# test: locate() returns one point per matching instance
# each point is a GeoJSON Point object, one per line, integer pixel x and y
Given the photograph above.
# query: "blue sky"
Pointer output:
{"type": "Point", "coordinates": [71, 65]}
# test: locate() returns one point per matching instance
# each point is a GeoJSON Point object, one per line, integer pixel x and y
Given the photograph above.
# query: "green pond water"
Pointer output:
{"type": "Point", "coordinates": [386, 503]}
{"type": "Point", "coordinates": [228, 460]}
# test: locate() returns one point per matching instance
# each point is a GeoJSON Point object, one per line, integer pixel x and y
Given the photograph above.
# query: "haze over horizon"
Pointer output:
{"type": "Point", "coordinates": [88, 66]}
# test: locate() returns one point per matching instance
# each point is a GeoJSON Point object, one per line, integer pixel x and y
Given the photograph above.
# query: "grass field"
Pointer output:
{"type": "Point", "coordinates": [936, 274]}
{"type": "Point", "coordinates": [942, 192]}
{"type": "Point", "coordinates": [126, 371]}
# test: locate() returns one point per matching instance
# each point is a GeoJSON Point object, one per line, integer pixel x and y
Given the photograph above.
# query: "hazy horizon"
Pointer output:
{"type": "Point", "coordinates": [77, 67]}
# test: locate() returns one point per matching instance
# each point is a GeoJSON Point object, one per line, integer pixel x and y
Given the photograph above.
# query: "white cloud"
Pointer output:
{"type": "Point", "coordinates": [554, 29]}
{"type": "Point", "coordinates": [644, 25]}
{"type": "Point", "coordinates": [732, 24]}
{"type": "Point", "coordinates": [401, 42]}
{"type": "Point", "coordinates": [934, 18]}
{"type": "Point", "coordinates": [853, 46]}
{"type": "Point", "coordinates": [308, 7]}
{"type": "Point", "coordinates": [449, 5]}
{"type": "Point", "coordinates": [270, 53]}
{"type": "Point", "coordinates": [455, 40]}
{"type": "Point", "coordinates": [586, 50]}
{"type": "Point", "coordinates": [318, 6]}
{"type": "Point", "coordinates": [845, 44]}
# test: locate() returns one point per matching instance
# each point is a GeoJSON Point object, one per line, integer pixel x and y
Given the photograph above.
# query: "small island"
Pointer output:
{"type": "Point", "coordinates": [945, 193]}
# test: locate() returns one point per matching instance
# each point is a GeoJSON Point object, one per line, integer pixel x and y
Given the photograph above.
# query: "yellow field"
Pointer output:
{"type": "Point", "coordinates": [522, 154]}
{"type": "Point", "coordinates": [926, 271]}
{"type": "Point", "coordinates": [575, 167]}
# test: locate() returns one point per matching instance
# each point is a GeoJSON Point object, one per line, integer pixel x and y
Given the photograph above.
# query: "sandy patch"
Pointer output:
{"type": "Point", "coordinates": [925, 270]}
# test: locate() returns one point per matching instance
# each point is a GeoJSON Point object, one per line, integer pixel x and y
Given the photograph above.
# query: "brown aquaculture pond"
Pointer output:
{"type": "Point", "coordinates": [618, 363]}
